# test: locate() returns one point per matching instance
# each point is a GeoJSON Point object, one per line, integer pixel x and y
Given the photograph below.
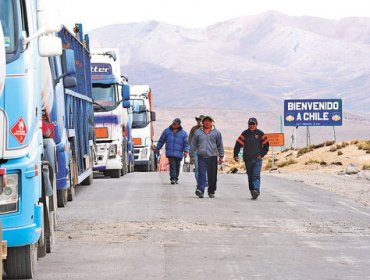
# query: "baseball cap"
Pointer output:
{"type": "Point", "coordinates": [252, 120]}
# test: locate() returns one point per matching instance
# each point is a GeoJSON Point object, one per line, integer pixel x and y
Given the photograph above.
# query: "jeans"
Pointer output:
{"type": "Point", "coordinates": [254, 166]}
{"type": "Point", "coordinates": [207, 166]}
{"type": "Point", "coordinates": [196, 169]}
{"type": "Point", "coordinates": [174, 168]}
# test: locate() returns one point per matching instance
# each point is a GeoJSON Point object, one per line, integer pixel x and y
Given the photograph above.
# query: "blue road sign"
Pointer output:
{"type": "Point", "coordinates": [313, 112]}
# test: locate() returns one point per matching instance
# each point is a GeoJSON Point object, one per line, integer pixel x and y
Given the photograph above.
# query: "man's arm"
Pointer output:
{"type": "Point", "coordinates": [161, 140]}
{"type": "Point", "coordinates": [238, 145]}
{"type": "Point", "coordinates": [265, 145]}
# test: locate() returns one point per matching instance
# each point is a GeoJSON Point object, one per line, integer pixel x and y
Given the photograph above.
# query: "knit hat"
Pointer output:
{"type": "Point", "coordinates": [177, 120]}
{"type": "Point", "coordinates": [199, 118]}
{"type": "Point", "coordinates": [254, 120]}
{"type": "Point", "coordinates": [207, 117]}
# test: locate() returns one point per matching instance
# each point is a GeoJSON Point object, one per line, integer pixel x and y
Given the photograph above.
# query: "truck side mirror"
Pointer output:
{"type": "Point", "coordinates": [50, 46]}
{"type": "Point", "coordinates": [2, 61]}
{"type": "Point", "coordinates": [125, 92]}
{"type": "Point", "coordinates": [70, 82]}
{"type": "Point", "coordinates": [68, 62]}
{"type": "Point", "coordinates": [152, 116]}
{"type": "Point", "coordinates": [126, 104]}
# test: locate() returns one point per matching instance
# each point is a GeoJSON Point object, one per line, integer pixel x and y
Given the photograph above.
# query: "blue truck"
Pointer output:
{"type": "Point", "coordinates": [27, 157]}
{"type": "Point", "coordinates": [71, 119]}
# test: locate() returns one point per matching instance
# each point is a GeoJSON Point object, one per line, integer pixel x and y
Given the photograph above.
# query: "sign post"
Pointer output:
{"type": "Point", "coordinates": [275, 140]}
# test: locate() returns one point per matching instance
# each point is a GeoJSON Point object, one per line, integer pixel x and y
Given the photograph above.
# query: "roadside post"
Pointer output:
{"type": "Point", "coordinates": [275, 140]}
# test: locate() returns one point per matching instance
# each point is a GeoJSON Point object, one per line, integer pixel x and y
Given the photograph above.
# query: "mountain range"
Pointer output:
{"type": "Point", "coordinates": [250, 63]}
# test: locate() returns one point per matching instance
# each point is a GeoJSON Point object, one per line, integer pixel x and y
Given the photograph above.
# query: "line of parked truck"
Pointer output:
{"type": "Point", "coordinates": [66, 112]}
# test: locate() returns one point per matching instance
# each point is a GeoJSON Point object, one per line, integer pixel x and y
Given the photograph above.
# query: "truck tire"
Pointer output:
{"type": "Point", "coordinates": [71, 190]}
{"type": "Point", "coordinates": [115, 173]}
{"type": "Point", "coordinates": [62, 196]}
{"type": "Point", "coordinates": [89, 180]}
{"type": "Point", "coordinates": [21, 262]}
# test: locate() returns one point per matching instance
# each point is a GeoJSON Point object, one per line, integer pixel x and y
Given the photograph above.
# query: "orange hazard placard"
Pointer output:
{"type": "Point", "coordinates": [275, 139]}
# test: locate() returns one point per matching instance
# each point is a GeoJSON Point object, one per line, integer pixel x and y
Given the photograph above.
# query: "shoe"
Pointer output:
{"type": "Point", "coordinates": [173, 182]}
{"type": "Point", "coordinates": [211, 195]}
{"type": "Point", "coordinates": [176, 181]}
{"type": "Point", "coordinates": [199, 193]}
{"type": "Point", "coordinates": [255, 194]}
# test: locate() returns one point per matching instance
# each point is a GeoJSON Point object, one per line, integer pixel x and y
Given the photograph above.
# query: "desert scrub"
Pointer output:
{"type": "Point", "coordinates": [354, 142]}
{"type": "Point", "coordinates": [311, 161]}
{"type": "Point", "coordinates": [366, 167]}
{"type": "Point", "coordinates": [305, 150]}
{"type": "Point", "coordinates": [333, 149]}
{"type": "Point", "coordinates": [268, 165]}
{"type": "Point", "coordinates": [340, 153]}
{"type": "Point", "coordinates": [364, 146]}
{"type": "Point", "coordinates": [329, 143]}
{"type": "Point", "coordinates": [286, 163]}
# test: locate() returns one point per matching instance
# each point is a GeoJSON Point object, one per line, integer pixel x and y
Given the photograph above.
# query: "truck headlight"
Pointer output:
{"type": "Point", "coordinates": [144, 153]}
{"type": "Point", "coordinates": [9, 194]}
{"type": "Point", "coordinates": [112, 151]}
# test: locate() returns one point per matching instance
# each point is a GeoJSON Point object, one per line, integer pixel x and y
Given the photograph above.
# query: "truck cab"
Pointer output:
{"type": "Point", "coordinates": [23, 196]}
{"type": "Point", "coordinates": [111, 114]}
{"type": "Point", "coordinates": [142, 127]}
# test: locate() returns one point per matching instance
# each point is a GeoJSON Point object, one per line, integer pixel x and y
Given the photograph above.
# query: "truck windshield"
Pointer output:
{"type": "Point", "coordinates": [8, 19]}
{"type": "Point", "coordinates": [104, 96]}
{"type": "Point", "coordinates": [139, 116]}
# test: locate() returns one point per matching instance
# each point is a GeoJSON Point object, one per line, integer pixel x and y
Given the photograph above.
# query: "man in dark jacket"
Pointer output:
{"type": "Point", "coordinates": [176, 140]}
{"type": "Point", "coordinates": [255, 146]}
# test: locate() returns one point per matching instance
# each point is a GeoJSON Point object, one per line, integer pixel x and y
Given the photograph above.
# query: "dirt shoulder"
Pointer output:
{"type": "Point", "coordinates": [342, 168]}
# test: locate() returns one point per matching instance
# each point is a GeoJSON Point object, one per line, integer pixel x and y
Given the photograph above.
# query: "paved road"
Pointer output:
{"type": "Point", "coordinates": [141, 227]}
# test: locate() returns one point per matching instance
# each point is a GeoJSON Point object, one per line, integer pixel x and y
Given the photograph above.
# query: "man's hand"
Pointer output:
{"type": "Point", "coordinates": [220, 160]}
{"type": "Point", "coordinates": [236, 159]}
{"type": "Point", "coordinates": [191, 160]}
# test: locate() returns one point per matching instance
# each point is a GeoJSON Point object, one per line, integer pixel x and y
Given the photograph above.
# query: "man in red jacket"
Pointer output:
{"type": "Point", "coordinates": [255, 146]}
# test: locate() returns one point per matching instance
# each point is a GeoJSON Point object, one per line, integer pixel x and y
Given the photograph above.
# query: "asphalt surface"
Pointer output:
{"type": "Point", "coordinates": [141, 227]}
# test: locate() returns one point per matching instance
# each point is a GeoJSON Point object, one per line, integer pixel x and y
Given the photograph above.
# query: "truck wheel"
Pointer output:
{"type": "Point", "coordinates": [115, 173]}
{"type": "Point", "coordinates": [71, 190]}
{"type": "Point", "coordinates": [21, 262]}
{"type": "Point", "coordinates": [89, 180]}
{"type": "Point", "coordinates": [62, 196]}
{"type": "Point", "coordinates": [50, 229]}
{"type": "Point", "coordinates": [71, 193]}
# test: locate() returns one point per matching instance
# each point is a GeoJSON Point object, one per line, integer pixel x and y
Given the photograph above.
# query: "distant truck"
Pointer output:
{"type": "Point", "coordinates": [112, 114]}
{"type": "Point", "coordinates": [27, 156]}
{"type": "Point", "coordinates": [141, 100]}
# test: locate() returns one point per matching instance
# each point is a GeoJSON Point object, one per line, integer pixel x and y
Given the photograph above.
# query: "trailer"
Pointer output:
{"type": "Point", "coordinates": [71, 122]}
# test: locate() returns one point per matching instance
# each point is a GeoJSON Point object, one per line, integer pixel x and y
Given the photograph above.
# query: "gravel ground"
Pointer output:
{"type": "Point", "coordinates": [354, 187]}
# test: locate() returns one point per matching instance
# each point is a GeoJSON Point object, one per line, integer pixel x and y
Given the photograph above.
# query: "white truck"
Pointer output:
{"type": "Point", "coordinates": [112, 119]}
{"type": "Point", "coordinates": [141, 100]}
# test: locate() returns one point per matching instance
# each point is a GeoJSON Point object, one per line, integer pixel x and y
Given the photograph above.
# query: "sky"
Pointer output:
{"type": "Point", "coordinates": [195, 13]}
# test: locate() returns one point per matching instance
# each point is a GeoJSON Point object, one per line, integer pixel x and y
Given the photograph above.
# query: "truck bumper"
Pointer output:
{"type": "Point", "coordinates": [103, 160]}
{"type": "Point", "coordinates": [141, 162]}
{"type": "Point", "coordinates": [23, 235]}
